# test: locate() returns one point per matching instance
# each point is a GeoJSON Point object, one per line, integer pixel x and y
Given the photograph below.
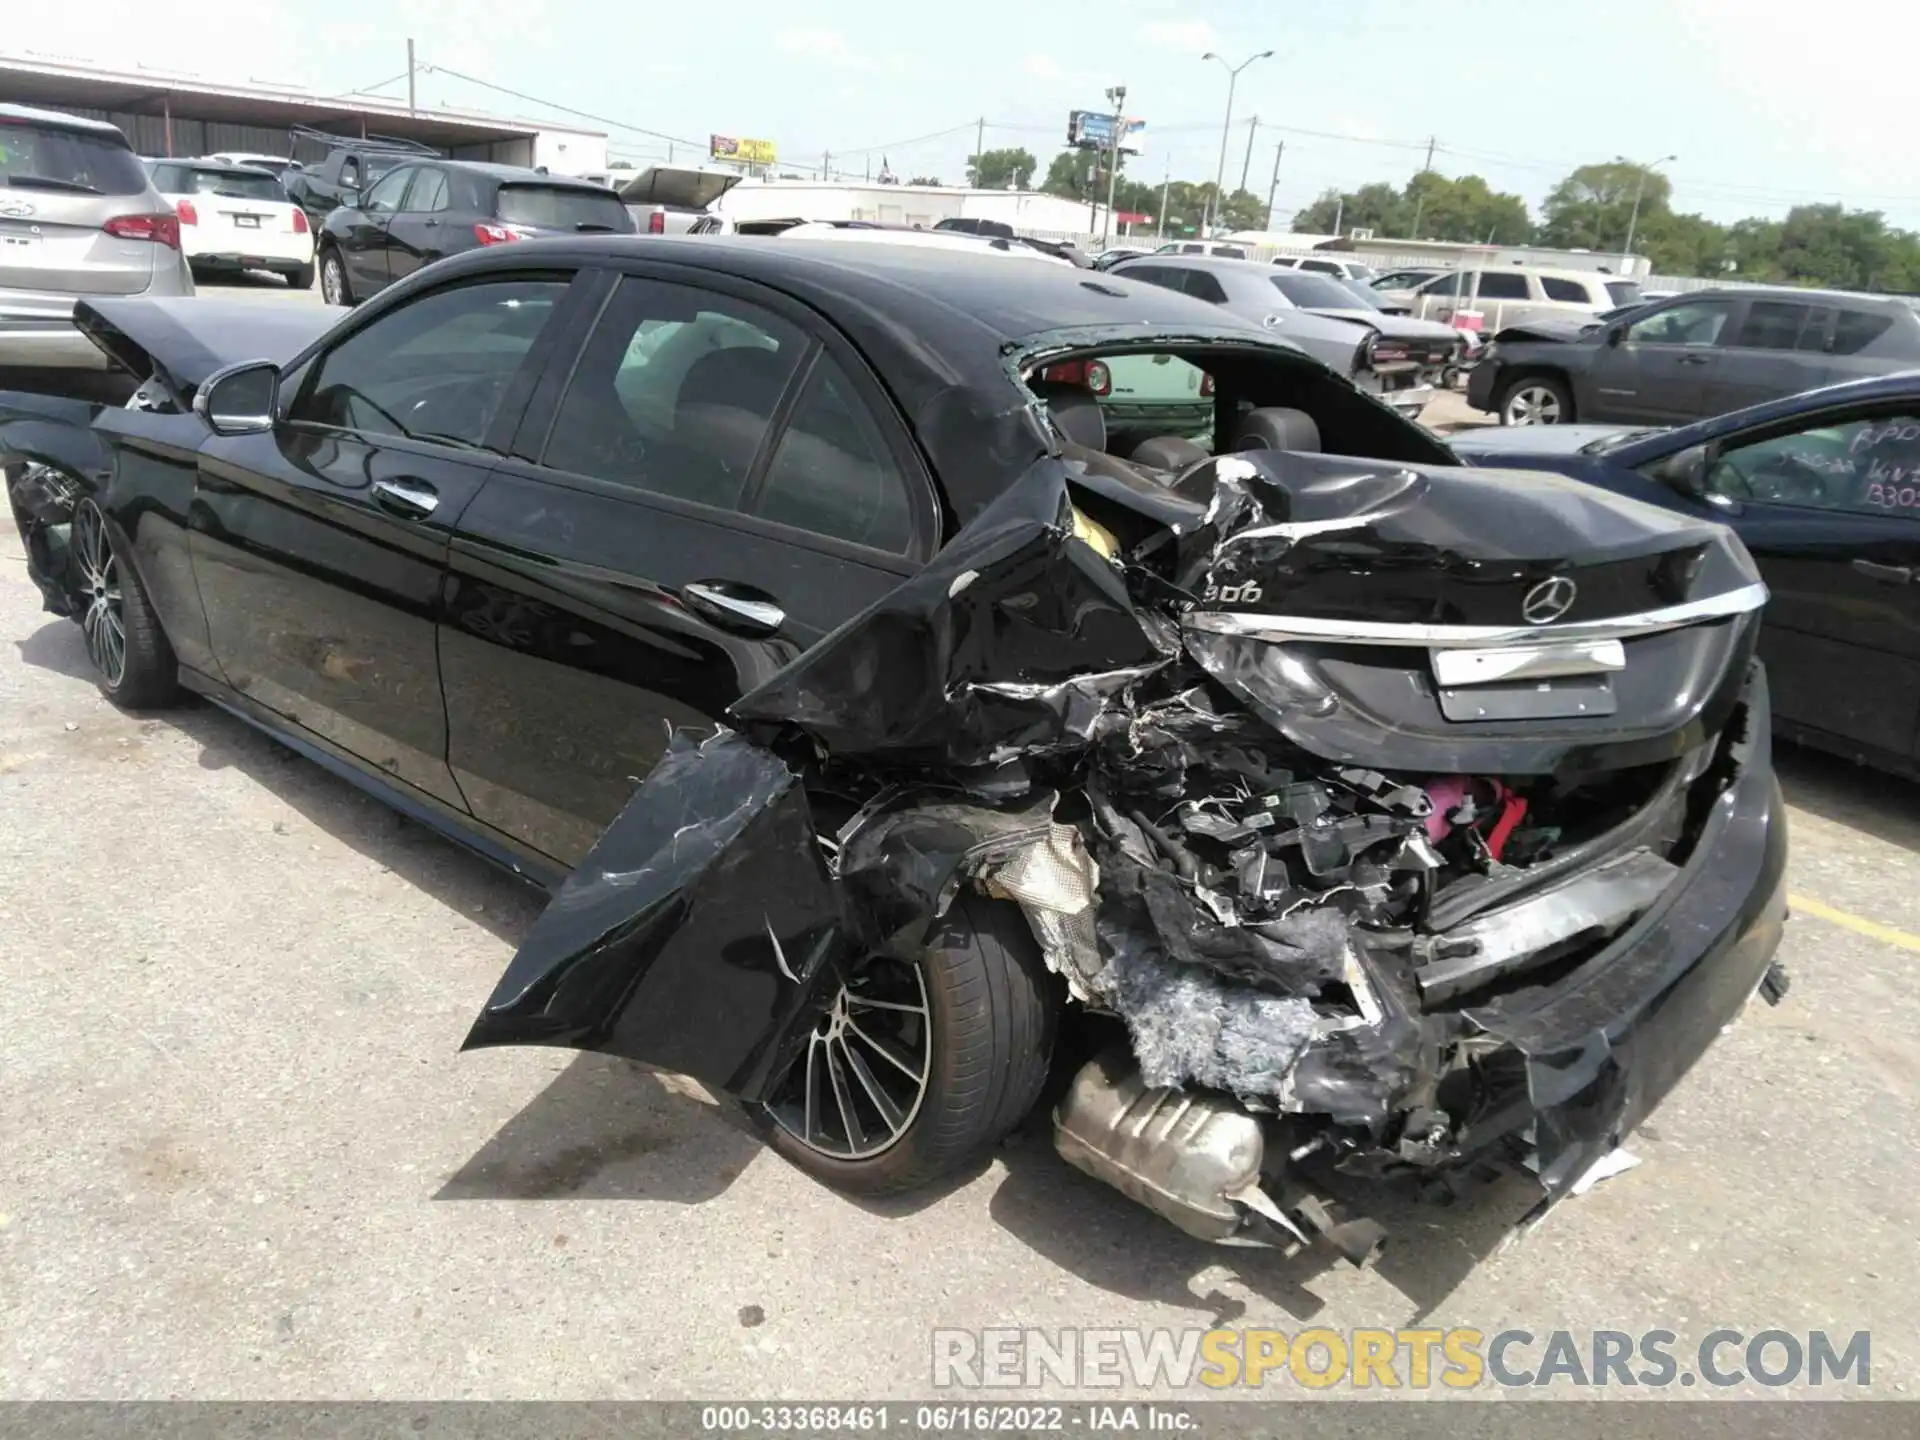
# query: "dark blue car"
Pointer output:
{"type": "Point", "coordinates": [1824, 488]}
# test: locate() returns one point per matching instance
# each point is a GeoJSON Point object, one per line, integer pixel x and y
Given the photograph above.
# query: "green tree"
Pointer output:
{"type": "Point", "coordinates": [1464, 209]}
{"type": "Point", "coordinates": [1070, 175]}
{"type": "Point", "coordinates": [1378, 207]}
{"type": "Point", "coordinates": [1592, 208]}
{"type": "Point", "coordinates": [1002, 169]}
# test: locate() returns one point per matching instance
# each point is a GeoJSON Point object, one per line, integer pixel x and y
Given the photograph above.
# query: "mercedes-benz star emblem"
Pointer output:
{"type": "Point", "coordinates": [1549, 600]}
{"type": "Point", "coordinates": [15, 209]}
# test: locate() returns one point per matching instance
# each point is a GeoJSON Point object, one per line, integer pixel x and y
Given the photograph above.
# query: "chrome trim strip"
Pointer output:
{"type": "Point", "coordinates": [1373, 632]}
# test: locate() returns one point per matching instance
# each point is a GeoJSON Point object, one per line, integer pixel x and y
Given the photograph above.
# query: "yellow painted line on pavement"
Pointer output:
{"type": "Point", "coordinates": [1872, 929]}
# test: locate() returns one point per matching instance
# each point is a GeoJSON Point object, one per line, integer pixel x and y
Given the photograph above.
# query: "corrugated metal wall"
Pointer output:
{"type": "Point", "coordinates": [148, 136]}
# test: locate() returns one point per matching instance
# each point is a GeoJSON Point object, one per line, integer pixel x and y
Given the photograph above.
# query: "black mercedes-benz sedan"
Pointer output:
{"type": "Point", "coordinates": [786, 609]}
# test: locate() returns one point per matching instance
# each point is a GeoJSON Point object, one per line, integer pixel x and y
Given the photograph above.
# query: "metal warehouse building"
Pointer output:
{"type": "Point", "coordinates": [163, 113]}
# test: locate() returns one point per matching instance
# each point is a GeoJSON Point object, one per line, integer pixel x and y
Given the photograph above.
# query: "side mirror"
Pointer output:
{"type": "Point", "coordinates": [1615, 334]}
{"type": "Point", "coordinates": [350, 196]}
{"type": "Point", "coordinates": [241, 399]}
{"type": "Point", "coordinates": [1686, 471]}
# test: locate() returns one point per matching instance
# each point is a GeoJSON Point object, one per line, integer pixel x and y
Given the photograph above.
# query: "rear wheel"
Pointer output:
{"type": "Point", "coordinates": [1535, 400]}
{"type": "Point", "coordinates": [333, 279]}
{"type": "Point", "coordinates": [921, 1065]}
{"type": "Point", "coordinates": [132, 661]}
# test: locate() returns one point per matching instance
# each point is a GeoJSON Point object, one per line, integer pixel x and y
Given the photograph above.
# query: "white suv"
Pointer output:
{"type": "Point", "coordinates": [1511, 295]}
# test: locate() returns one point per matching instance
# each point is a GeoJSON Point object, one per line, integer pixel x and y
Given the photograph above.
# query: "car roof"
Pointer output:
{"type": "Point", "coordinates": [1791, 292]}
{"type": "Point", "coordinates": [60, 119]}
{"type": "Point", "coordinates": [224, 167]}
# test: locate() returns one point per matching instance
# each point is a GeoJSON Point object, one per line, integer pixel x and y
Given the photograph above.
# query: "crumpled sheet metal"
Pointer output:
{"type": "Point", "coordinates": [701, 934]}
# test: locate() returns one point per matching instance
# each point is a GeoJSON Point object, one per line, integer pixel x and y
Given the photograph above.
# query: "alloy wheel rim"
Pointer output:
{"type": "Point", "coordinates": [330, 280]}
{"type": "Point", "coordinates": [860, 1084]}
{"type": "Point", "coordinates": [103, 622]}
{"type": "Point", "coordinates": [1533, 405]}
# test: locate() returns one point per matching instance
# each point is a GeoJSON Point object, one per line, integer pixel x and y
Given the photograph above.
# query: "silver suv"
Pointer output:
{"type": "Point", "coordinates": [78, 218]}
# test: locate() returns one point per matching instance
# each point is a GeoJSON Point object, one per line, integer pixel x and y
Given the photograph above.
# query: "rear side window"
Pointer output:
{"type": "Point", "coordinates": [675, 393]}
{"type": "Point", "coordinates": [550, 207]}
{"type": "Point", "coordinates": [429, 192]}
{"type": "Point", "coordinates": [56, 160]}
{"type": "Point", "coordinates": [1813, 334]}
{"type": "Point", "coordinates": [1570, 290]}
{"type": "Point", "coordinates": [1771, 325]}
{"type": "Point", "coordinates": [1496, 286]}
{"type": "Point", "coordinates": [434, 369]}
{"type": "Point", "coordinates": [1854, 330]}
{"type": "Point", "coordinates": [1202, 286]}
{"type": "Point", "coordinates": [1153, 275]}
{"type": "Point", "coordinates": [1624, 292]}
{"type": "Point", "coordinates": [1323, 267]}
{"type": "Point", "coordinates": [1229, 252]}
{"type": "Point", "coordinates": [832, 473]}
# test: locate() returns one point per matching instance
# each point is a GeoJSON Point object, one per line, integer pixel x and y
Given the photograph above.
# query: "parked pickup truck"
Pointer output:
{"type": "Point", "coordinates": [351, 166]}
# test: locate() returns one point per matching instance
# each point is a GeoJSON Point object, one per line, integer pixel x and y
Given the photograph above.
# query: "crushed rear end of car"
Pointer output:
{"type": "Point", "coordinates": [1391, 816]}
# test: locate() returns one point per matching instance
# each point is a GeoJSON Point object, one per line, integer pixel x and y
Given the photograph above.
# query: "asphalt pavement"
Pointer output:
{"type": "Point", "coordinates": [245, 1160]}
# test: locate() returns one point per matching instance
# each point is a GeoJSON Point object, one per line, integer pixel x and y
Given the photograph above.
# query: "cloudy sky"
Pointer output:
{"type": "Point", "coordinates": [1766, 104]}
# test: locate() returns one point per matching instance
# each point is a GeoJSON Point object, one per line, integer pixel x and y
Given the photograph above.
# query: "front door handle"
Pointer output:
{"type": "Point", "coordinates": [1885, 574]}
{"type": "Point", "coordinates": [404, 496]}
{"type": "Point", "coordinates": [430, 224]}
{"type": "Point", "coordinates": [739, 608]}
{"type": "Point", "coordinates": [1695, 359]}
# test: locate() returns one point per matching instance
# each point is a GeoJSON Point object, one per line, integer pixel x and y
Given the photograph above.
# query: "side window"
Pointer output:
{"type": "Point", "coordinates": [436, 368]}
{"type": "Point", "coordinates": [1202, 286]}
{"type": "Point", "coordinates": [1324, 267]}
{"type": "Point", "coordinates": [1814, 334]}
{"type": "Point", "coordinates": [1869, 467]}
{"type": "Point", "coordinates": [1695, 322]}
{"type": "Point", "coordinates": [674, 392]}
{"type": "Point", "coordinates": [1771, 325]}
{"type": "Point", "coordinates": [429, 192]}
{"type": "Point", "coordinates": [1568, 290]}
{"type": "Point", "coordinates": [1193, 249]}
{"type": "Point", "coordinates": [384, 197]}
{"type": "Point", "coordinates": [1854, 330]}
{"type": "Point", "coordinates": [832, 473]}
{"type": "Point", "coordinates": [1495, 285]}
{"type": "Point", "coordinates": [1444, 285]}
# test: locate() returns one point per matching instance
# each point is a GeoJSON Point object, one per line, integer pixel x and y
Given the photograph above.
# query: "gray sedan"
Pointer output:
{"type": "Point", "coordinates": [1251, 291]}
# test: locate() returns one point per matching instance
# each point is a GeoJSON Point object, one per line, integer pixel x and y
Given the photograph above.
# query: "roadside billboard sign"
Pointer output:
{"type": "Point", "coordinates": [742, 152]}
{"type": "Point", "coordinates": [1092, 130]}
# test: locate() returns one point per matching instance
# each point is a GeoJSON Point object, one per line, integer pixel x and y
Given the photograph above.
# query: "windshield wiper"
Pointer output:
{"type": "Point", "coordinates": [47, 182]}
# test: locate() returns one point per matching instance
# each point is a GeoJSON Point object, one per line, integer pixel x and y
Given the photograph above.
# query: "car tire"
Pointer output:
{"type": "Point", "coordinates": [334, 288]}
{"type": "Point", "coordinates": [1535, 400]}
{"type": "Point", "coordinates": [133, 662]}
{"type": "Point", "coordinates": [991, 1007]}
{"type": "Point", "coordinates": [300, 279]}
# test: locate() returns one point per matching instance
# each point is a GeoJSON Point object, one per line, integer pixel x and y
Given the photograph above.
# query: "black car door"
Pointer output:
{"type": "Point", "coordinates": [716, 484]}
{"type": "Point", "coordinates": [1831, 510]}
{"type": "Point", "coordinates": [1659, 369]}
{"type": "Point", "coordinates": [362, 234]}
{"type": "Point", "coordinates": [320, 544]}
{"type": "Point", "coordinates": [417, 232]}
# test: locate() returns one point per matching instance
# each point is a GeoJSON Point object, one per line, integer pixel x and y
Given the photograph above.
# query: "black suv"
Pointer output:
{"type": "Point", "coordinates": [416, 213]}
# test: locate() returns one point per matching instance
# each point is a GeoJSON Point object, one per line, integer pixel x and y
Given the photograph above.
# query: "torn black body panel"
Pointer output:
{"type": "Point", "coordinates": [701, 934]}
{"type": "Point", "coordinates": [47, 453]}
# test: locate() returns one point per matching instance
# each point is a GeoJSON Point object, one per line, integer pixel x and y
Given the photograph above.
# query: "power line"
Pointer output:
{"type": "Point", "coordinates": [563, 109]}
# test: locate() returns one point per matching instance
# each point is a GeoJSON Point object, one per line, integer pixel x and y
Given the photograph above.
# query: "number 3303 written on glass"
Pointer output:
{"type": "Point", "coordinates": [1893, 497]}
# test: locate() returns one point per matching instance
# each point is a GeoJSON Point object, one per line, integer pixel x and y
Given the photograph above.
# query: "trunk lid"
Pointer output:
{"type": "Point", "coordinates": [683, 187]}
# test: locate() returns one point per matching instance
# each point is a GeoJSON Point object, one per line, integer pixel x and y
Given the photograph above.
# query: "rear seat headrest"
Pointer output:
{"type": "Point", "coordinates": [1076, 414]}
{"type": "Point", "coordinates": [1277, 428]}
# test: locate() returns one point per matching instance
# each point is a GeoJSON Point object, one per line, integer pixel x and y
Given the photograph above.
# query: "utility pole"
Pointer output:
{"type": "Point", "coordinates": [1274, 188]}
{"type": "Point", "coordinates": [1226, 126]}
{"type": "Point", "coordinates": [1431, 142]}
{"type": "Point", "coordinates": [1118, 95]}
{"type": "Point", "coordinates": [1339, 210]}
{"type": "Point", "coordinates": [1166, 186]}
{"type": "Point", "coordinates": [826, 166]}
{"type": "Point", "coordinates": [410, 106]}
{"type": "Point", "coordinates": [1253, 128]}
{"type": "Point", "coordinates": [979, 146]}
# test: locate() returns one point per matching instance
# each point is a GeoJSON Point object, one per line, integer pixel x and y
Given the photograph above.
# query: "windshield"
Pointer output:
{"type": "Point", "coordinates": [1358, 271]}
{"type": "Point", "coordinates": [1624, 292]}
{"type": "Point", "coordinates": [1313, 292]}
{"type": "Point", "coordinates": [36, 157]}
{"type": "Point", "coordinates": [374, 166]}
{"type": "Point", "coordinates": [547, 207]}
{"type": "Point", "coordinates": [238, 185]}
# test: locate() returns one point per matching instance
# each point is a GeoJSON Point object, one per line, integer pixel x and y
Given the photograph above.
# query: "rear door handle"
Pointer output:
{"type": "Point", "coordinates": [404, 496]}
{"type": "Point", "coordinates": [1885, 574]}
{"type": "Point", "coordinates": [735, 607]}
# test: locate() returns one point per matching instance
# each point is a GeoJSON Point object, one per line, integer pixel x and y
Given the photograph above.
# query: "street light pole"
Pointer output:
{"type": "Point", "coordinates": [1639, 187]}
{"type": "Point", "coordinates": [1226, 127]}
{"type": "Point", "coordinates": [1118, 95]}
